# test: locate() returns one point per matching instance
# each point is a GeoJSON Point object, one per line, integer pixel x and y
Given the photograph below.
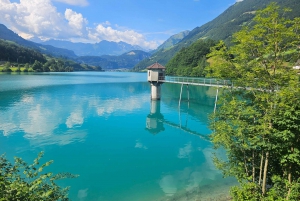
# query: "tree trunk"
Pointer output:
{"type": "Point", "coordinates": [290, 182]}
{"type": "Point", "coordinates": [245, 164]}
{"type": "Point", "coordinates": [265, 174]}
{"type": "Point", "coordinates": [261, 167]}
{"type": "Point", "coordinates": [253, 166]}
{"type": "Point", "coordinates": [290, 178]}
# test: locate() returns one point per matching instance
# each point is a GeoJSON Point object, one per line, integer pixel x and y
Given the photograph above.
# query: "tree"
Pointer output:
{"type": "Point", "coordinates": [190, 61]}
{"type": "Point", "coordinates": [257, 121]}
{"type": "Point", "coordinates": [26, 67]}
{"type": "Point", "coordinates": [37, 66]}
{"type": "Point", "coordinates": [30, 184]}
{"type": "Point", "coordinates": [7, 66]}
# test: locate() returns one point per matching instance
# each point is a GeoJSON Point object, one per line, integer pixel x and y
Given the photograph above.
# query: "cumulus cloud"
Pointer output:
{"type": "Point", "coordinates": [106, 32]}
{"type": "Point", "coordinates": [41, 19]}
{"type": "Point", "coordinates": [75, 21]}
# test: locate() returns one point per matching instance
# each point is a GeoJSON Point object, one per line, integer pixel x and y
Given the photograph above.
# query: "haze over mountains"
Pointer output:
{"type": "Point", "coordinates": [97, 49]}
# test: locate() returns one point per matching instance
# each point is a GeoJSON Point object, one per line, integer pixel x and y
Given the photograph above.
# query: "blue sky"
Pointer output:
{"type": "Point", "coordinates": [146, 23]}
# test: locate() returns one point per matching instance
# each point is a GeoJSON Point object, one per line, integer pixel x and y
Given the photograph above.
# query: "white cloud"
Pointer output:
{"type": "Point", "coordinates": [185, 151]}
{"type": "Point", "coordinates": [76, 21]}
{"type": "Point", "coordinates": [41, 19]}
{"type": "Point", "coordinates": [103, 32]}
{"type": "Point", "coordinates": [140, 145]}
{"type": "Point", "coordinates": [239, 0]}
{"type": "Point", "coordinates": [111, 106]}
{"type": "Point", "coordinates": [74, 119]}
{"type": "Point", "coordinates": [169, 185]}
{"type": "Point", "coordinates": [33, 117]}
{"type": "Point", "coordinates": [74, 2]}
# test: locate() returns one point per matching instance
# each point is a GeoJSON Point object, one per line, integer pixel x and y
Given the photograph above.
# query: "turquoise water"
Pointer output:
{"type": "Point", "coordinates": [104, 127]}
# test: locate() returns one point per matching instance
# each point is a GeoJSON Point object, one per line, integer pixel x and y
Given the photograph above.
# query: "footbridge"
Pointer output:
{"type": "Point", "coordinates": [156, 77]}
{"type": "Point", "coordinates": [210, 82]}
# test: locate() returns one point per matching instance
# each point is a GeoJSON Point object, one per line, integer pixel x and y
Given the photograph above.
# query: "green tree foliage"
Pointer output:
{"type": "Point", "coordinates": [37, 66]}
{"type": "Point", "coordinates": [6, 68]}
{"type": "Point", "coordinates": [16, 53]}
{"type": "Point", "coordinates": [26, 67]}
{"type": "Point", "coordinates": [190, 61]}
{"type": "Point", "coordinates": [20, 181]}
{"type": "Point", "coordinates": [258, 120]}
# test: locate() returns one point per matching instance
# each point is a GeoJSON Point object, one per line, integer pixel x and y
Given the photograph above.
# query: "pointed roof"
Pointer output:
{"type": "Point", "coordinates": [156, 66]}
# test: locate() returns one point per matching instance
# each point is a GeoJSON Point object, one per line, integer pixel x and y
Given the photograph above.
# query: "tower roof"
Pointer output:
{"type": "Point", "coordinates": [156, 66]}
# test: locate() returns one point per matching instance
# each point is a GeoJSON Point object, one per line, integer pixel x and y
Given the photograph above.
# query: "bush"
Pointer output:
{"type": "Point", "coordinates": [20, 181]}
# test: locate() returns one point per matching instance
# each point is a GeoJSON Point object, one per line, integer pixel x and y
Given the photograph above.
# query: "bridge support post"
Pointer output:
{"type": "Point", "coordinates": [180, 95]}
{"type": "Point", "coordinates": [216, 100]}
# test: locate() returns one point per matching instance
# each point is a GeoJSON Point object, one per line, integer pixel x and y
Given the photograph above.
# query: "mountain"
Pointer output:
{"type": "Point", "coordinates": [108, 62]}
{"type": "Point", "coordinates": [221, 28]}
{"type": "Point", "coordinates": [16, 49]}
{"type": "Point", "coordinates": [173, 40]}
{"type": "Point", "coordinates": [9, 35]}
{"type": "Point", "coordinates": [12, 52]}
{"type": "Point", "coordinates": [191, 61]}
{"type": "Point", "coordinates": [98, 49]}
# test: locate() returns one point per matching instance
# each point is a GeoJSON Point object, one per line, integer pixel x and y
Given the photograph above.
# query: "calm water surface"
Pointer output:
{"type": "Point", "coordinates": [104, 127]}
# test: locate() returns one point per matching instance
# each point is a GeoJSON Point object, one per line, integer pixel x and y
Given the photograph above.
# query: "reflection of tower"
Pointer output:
{"type": "Point", "coordinates": [155, 120]}
{"type": "Point", "coordinates": [156, 76]}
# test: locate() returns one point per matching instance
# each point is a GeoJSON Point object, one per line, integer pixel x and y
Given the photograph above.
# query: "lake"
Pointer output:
{"type": "Point", "coordinates": [104, 127]}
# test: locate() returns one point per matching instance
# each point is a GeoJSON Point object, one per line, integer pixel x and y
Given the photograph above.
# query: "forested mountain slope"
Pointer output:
{"type": "Point", "coordinates": [10, 51]}
{"type": "Point", "coordinates": [173, 40]}
{"type": "Point", "coordinates": [7, 34]}
{"type": "Point", "coordinates": [190, 61]}
{"type": "Point", "coordinates": [221, 28]}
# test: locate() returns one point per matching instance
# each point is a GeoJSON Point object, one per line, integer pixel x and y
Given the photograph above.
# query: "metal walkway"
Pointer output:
{"type": "Point", "coordinates": [211, 82]}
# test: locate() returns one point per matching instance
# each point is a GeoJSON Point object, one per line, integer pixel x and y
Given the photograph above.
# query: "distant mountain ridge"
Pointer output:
{"type": "Point", "coordinates": [97, 49]}
{"type": "Point", "coordinates": [7, 34]}
{"type": "Point", "coordinates": [173, 40]}
{"type": "Point", "coordinates": [126, 60]}
{"type": "Point", "coordinates": [108, 62]}
{"type": "Point", "coordinates": [220, 28]}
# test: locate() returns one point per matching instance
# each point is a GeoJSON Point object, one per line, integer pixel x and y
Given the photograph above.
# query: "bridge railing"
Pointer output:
{"type": "Point", "coordinates": [197, 80]}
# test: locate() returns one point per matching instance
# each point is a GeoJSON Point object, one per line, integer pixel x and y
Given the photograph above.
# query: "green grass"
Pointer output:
{"type": "Point", "coordinates": [14, 69]}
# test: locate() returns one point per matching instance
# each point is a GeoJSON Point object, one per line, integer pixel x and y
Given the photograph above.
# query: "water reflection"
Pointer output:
{"type": "Point", "coordinates": [98, 131]}
{"type": "Point", "coordinates": [59, 114]}
{"type": "Point", "coordinates": [189, 179]}
{"type": "Point", "coordinates": [155, 120]}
